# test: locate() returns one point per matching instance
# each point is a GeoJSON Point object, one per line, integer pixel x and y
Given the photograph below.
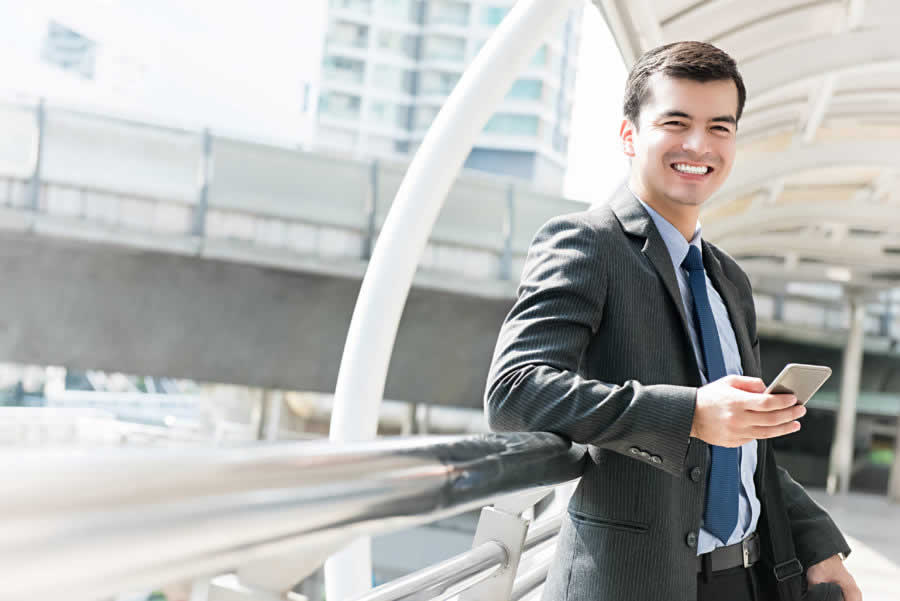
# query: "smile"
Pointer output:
{"type": "Point", "coordinates": [691, 169]}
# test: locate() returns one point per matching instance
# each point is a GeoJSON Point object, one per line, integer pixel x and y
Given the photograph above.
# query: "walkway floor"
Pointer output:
{"type": "Point", "coordinates": [871, 524]}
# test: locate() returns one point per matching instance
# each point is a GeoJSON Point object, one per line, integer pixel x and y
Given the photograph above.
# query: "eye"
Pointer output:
{"type": "Point", "coordinates": [722, 128]}
{"type": "Point", "coordinates": [678, 123]}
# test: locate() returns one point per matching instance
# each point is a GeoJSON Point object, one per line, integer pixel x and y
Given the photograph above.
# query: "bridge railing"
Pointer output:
{"type": "Point", "coordinates": [89, 524]}
{"type": "Point", "coordinates": [198, 191]}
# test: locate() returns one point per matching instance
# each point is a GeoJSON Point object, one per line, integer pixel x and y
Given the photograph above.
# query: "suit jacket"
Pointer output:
{"type": "Point", "coordinates": [596, 349]}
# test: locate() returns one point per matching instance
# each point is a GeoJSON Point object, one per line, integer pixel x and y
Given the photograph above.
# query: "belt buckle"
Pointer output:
{"type": "Point", "coordinates": [745, 549]}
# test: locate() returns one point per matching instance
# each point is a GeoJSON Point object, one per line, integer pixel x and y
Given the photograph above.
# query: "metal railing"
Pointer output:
{"type": "Point", "coordinates": [193, 191]}
{"type": "Point", "coordinates": [86, 525]}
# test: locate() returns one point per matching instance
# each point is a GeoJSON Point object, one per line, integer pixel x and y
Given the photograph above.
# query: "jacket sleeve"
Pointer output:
{"type": "Point", "coordinates": [535, 382]}
{"type": "Point", "coordinates": [816, 536]}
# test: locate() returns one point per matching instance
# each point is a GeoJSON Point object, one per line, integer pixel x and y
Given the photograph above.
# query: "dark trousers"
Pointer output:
{"type": "Point", "coordinates": [736, 584]}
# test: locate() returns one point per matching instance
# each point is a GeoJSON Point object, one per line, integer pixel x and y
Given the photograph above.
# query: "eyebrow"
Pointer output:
{"type": "Point", "coordinates": [723, 118]}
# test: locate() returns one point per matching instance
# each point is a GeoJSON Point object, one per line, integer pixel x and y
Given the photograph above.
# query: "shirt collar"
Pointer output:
{"type": "Point", "coordinates": [675, 242]}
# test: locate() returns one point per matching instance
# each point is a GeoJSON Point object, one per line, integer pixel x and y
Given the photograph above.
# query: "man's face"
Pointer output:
{"type": "Point", "coordinates": [684, 146]}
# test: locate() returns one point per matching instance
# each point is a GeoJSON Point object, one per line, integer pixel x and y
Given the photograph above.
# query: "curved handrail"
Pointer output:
{"type": "Point", "coordinates": [104, 521]}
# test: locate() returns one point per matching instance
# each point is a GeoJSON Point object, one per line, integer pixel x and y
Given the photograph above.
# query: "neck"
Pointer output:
{"type": "Point", "coordinates": [683, 216]}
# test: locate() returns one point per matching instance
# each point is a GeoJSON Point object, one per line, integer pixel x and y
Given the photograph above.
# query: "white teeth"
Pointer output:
{"type": "Point", "coordinates": [684, 168]}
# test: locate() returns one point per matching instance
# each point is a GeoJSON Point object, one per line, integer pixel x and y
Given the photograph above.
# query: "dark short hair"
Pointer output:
{"type": "Point", "coordinates": [697, 61]}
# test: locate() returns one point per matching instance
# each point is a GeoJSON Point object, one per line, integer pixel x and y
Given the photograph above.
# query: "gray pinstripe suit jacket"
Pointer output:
{"type": "Point", "coordinates": [596, 349]}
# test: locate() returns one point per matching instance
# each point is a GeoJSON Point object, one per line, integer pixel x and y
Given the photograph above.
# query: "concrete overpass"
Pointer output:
{"type": "Point", "coordinates": [134, 247]}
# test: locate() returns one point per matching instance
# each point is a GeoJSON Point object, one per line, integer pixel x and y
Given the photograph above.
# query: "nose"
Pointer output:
{"type": "Point", "coordinates": [696, 141]}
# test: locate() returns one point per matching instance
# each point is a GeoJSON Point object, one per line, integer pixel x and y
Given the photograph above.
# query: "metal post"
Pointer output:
{"type": "Point", "coordinates": [35, 183]}
{"type": "Point", "coordinates": [270, 414]}
{"type": "Point", "coordinates": [385, 287]}
{"type": "Point", "coordinates": [508, 226]}
{"type": "Point", "coordinates": [198, 228]}
{"type": "Point", "coordinates": [371, 207]}
{"type": "Point", "coordinates": [840, 467]}
{"type": "Point", "coordinates": [778, 308]}
{"type": "Point", "coordinates": [509, 530]}
{"type": "Point", "coordinates": [894, 481]}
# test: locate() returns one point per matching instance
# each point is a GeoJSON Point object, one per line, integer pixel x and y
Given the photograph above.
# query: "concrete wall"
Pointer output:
{"type": "Point", "coordinates": [86, 305]}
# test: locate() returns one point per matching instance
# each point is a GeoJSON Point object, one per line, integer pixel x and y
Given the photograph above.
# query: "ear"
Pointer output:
{"type": "Point", "coordinates": [626, 134]}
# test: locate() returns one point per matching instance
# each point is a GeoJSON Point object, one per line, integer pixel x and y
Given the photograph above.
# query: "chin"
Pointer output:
{"type": "Point", "coordinates": [689, 199]}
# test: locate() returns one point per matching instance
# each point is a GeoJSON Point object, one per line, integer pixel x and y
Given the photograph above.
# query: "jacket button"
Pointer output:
{"type": "Point", "coordinates": [656, 459]}
{"type": "Point", "coordinates": [634, 451]}
{"type": "Point", "coordinates": [645, 454]}
{"type": "Point", "coordinates": [696, 473]}
{"type": "Point", "coordinates": [691, 540]}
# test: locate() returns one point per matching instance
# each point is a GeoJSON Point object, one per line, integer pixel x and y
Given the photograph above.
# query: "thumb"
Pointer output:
{"type": "Point", "coordinates": [745, 383]}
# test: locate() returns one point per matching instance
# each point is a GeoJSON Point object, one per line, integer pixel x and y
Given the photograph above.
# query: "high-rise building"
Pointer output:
{"type": "Point", "coordinates": [389, 65]}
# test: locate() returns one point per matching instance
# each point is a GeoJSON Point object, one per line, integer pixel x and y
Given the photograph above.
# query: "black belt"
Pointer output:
{"type": "Point", "coordinates": [744, 553]}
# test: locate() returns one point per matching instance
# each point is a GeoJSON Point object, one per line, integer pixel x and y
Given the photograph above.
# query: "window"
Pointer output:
{"type": "Point", "coordinates": [512, 125]}
{"type": "Point", "coordinates": [336, 104]}
{"type": "Point", "coordinates": [393, 79]}
{"type": "Point", "coordinates": [397, 43]}
{"type": "Point", "coordinates": [540, 57]}
{"type": "Point", "coordinates": [438, 82]}
{"type": "Point", "coordinates": [525, 89]}
{"type": "Point", "coordinates": [447, 12]}
{"type": "Point", "coordinates": [400, 10]}
{"type": "Point", "coordinates": [493, 15]}
{"type": "Point", "coordinates": [389, 114]}
{"type": "Point", "coordinates": [440, 47]}
{"type": "Point", "coordinates": [348, 34]}
{"type": "Point", "coordinates": [346, 70]}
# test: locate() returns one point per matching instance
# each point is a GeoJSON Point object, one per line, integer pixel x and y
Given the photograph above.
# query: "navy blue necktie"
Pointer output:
{"type": "Point", "coordinates": [722, 494]}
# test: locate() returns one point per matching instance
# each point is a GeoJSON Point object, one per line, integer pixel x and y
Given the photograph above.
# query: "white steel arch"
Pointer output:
{"type": "Point", "coordinates": [373, 327]}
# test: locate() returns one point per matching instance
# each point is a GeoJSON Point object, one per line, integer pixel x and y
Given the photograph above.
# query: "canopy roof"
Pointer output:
{"type": "Point", "coordinates": [814, 194]}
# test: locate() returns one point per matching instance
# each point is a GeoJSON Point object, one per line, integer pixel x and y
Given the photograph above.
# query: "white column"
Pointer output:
{"type": "Point", "coordinates": [840, 466]}
{"type": "Point", "coordinates": [373, 328]}
{"type": "Point", "coordinates": [894, 481]}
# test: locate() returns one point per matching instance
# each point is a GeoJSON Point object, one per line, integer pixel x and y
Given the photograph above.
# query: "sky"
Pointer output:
{"type": "Point", "coordinates": [253, 64]}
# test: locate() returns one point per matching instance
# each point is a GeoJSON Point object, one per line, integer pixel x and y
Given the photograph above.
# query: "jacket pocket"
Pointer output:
{"type": "Point", "coordinates": [623, 525]}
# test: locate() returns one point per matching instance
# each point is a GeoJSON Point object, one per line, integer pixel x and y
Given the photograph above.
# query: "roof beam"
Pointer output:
{"type": "Point", "coordinates": [615, 16]}
{"type": "Point", "coordinates": [751, 176]}
{"type": "Point", "coordinates": [881, 218]}
{"type": "Point", "coordinates": [855, 11]}
{"type": "Point", "coordinates": [812, 273]}
{"type": "Point", "coordinates": [646, 24]}
{"type": "Point", "coordinates": [853, 52]}
{"type": "Point", "coordinates": [820, 101]}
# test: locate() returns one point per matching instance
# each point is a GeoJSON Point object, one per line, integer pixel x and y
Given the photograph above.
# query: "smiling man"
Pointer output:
{"type": "Point", "coordinates": [633, 335]}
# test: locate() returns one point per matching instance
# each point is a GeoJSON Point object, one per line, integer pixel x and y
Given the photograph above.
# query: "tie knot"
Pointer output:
{"type": "Point", "coordinates": [693, 261]}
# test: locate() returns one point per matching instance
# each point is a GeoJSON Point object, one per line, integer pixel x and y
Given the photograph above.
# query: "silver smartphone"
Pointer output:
{"type": "Point", "coordinates": [800, 380]}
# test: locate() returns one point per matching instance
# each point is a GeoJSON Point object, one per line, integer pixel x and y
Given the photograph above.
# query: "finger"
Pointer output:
{"type": "Point", "coordinates": [746, 383]}
{"type": "Point", "coordinates": [773, 402]}
{"type": "Point", "coordinates": [776, 418]}
{"type": "Point", "coordinates": [761, 432]}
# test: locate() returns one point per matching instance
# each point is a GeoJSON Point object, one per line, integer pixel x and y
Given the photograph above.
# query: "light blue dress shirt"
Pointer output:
{"type": "Point", "coordinates": [748, 506]}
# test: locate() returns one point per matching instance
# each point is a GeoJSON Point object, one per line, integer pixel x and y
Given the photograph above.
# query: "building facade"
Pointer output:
{"type": "Point", "coordinates": [389, 65]}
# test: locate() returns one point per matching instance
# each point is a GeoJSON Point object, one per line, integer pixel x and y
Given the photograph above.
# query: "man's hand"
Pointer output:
{"type": "Point", "coordinates": [833, 570]}
{"type": "Point", "coordinates": [734, 410]}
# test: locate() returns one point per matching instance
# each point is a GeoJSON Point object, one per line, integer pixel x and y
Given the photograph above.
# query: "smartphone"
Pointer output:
{"type": "Point", "coordinates": [800, 380]}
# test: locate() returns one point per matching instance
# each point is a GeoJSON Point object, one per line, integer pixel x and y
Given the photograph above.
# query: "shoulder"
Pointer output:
{"type": "Point", "coordinates": [593, 226]}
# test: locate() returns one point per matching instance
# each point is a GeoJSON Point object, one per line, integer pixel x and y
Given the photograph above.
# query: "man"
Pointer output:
{"type": "Point", "coordinates": [634, 336]}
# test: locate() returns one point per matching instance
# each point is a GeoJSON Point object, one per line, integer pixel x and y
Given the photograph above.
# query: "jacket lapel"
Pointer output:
{"type": "Point", "coordinates": [637, 222]}
{"type": "Point", "coordinates": [733, 302]}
